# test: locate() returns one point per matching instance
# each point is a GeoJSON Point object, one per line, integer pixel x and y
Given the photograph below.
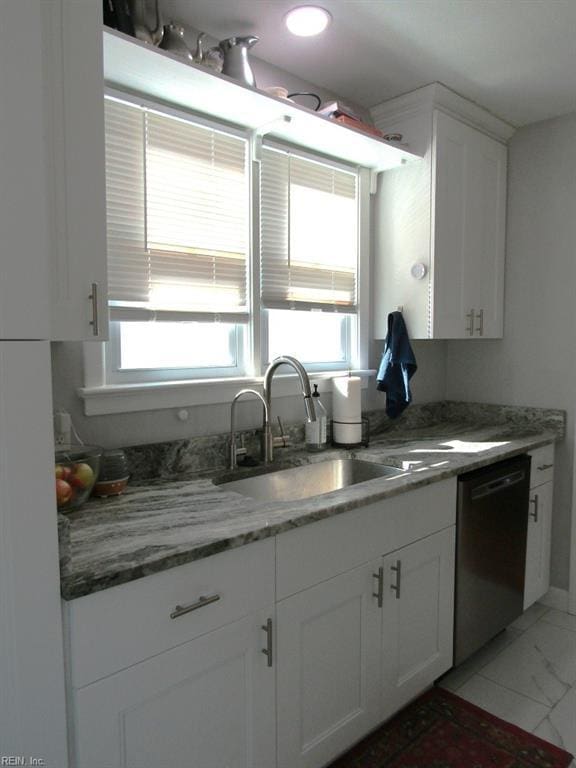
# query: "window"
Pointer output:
{"type": "Point", "coordinates": [188, 299]}
{"type": "Point", "coordinates": [317, 339]}
{"type": "Point", "coordinates": [309, 257]}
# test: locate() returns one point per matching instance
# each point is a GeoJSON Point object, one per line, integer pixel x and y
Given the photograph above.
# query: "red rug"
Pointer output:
{"type": "Point", "coordinates": [441, 730]}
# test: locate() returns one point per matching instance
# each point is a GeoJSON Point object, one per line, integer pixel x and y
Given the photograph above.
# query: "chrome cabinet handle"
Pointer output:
{"type": "Point", "coordinates": [542, 467]}
{"type": "Point", "coordinates": [94, 299]}
{"type": "Point", "coordinates": [470, 317]}
{"type": "Point", "coordinates": [268, 650]}
{"type": "Point", "coordinates": [480, 328]}
{"type": "Point", "coordinates": [534, 514]}
{"type": "Point", "coordinates": [181, 610]}
{"type": "Point", "coordinates": [379, 576]}
{"type": "Point", "coordinates": [398, 570]}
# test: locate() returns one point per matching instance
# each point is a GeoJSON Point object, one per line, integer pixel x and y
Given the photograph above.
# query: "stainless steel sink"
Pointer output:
{"type": "Point", "coordinates": [309, 480]}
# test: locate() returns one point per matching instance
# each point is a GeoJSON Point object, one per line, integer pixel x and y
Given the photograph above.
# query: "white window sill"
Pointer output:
{"type": "Point", "coordinates": [130, 398]}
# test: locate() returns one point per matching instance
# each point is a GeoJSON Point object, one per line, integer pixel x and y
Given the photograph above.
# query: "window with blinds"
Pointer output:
{"type": "Point", "coordinates": [177, 208]}
{"type": "Point", "coordinates": [309, 233]}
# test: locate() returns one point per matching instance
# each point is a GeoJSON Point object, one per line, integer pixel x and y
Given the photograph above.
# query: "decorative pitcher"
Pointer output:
{"type": "Point", "coordinates": [236, 64]}
{"type": "Point", "coordinates": [173, 41]}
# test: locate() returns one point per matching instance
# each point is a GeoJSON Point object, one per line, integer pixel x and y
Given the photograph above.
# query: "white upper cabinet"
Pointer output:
{"type": "Point", "coordinates": [52, 195]}
{"type": "Point", "coordinates": [24, 251]}
{"type": "Point", "coordinates": [77, 194]}
{"type": "Point", "coordinates": [440, 223]}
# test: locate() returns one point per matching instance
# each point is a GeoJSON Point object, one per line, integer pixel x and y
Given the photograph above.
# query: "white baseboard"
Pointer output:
{"type": "Point", "coordinates": [555, 598]}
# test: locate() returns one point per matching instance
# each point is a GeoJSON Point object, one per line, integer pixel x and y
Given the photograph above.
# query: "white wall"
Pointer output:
{"type": "Point", "coordinates": [535, 363]}
{"type": "Point", "coordinates": [156, 426]}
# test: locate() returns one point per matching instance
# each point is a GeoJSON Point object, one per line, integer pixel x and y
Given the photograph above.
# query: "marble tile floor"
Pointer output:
{"type": "Point", "coordinates": [527, 676]}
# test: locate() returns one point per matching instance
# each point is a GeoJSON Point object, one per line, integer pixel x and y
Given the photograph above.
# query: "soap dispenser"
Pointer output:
{"type": "Point", "coordinates": [316, 430]}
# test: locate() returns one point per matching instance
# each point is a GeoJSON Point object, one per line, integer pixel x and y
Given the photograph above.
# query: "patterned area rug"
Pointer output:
{"type": "Point", "coordinates": [441, 730]}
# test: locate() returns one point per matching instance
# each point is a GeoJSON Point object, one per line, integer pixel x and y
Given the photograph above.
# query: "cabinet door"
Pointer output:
{"type": "Point", "coordinates": [78, 194]}
{"type": "Point", "coordinates": [469, 188]}
{"type": "Point", "coordinates": [32, 696]}
{"type": "Point", "coordinates": [328, 668]}
{"type": "Point", "coordinates": [537, 578]}
{"type": "Point", "coordinates": [418, 617]}
{"type": "Point", "coordinates": [486, 224]}
{"type": "Point", "coordinates": [209, 703]}
{"type": "Point", "coordinates": [24, 218]}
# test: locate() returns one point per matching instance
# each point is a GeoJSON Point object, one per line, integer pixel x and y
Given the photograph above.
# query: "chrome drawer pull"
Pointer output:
{"type": "Point", "coordinates": [379, 576]}
{"type": "Point", "coordinates": [470, 328]}
{"type": "Point", "coordinates": [480, 328]}
{"type": "Point", "coordinates": [268, 650]}
{"type": "Point", "coordinates": [534, 514]}
{"type": "Point", "coordinates": [542, 467]}
{"type": "Point", "coordinates": [398, 569]}
{"type": "Point", "coordinates": [94, 299]}
{"type": "Point", "coordinates": [181, 610]}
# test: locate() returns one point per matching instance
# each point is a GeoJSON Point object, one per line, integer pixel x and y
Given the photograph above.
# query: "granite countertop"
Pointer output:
{"type": "Point", "coordinates": [160, 524]}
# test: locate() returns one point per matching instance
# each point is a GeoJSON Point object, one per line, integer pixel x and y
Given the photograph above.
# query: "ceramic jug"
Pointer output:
{"type": "Point", "coordinates": [173, 41]}
{"type": "Point", "coordinates": [236, 63]}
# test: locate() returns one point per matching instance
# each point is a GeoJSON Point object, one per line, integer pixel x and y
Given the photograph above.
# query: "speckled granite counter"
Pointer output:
{"type": "Point", "coordinates": [159, 524]}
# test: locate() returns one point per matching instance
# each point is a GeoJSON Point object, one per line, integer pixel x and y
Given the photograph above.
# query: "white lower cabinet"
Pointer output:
{"type": "Point", "coordinates": [356, 648]}
{"type": "Point", "coordinates": [209, 703]}
{"type": "Point", "coordinates": [539, 540]}
{"type": "Point", "coordinates": [418, 618]}
{"type": "Point", "coordinates": [282, 653]}
{"type": "Point", "coordinates": [328, 668]}
{"type": "Point", "coordinates": [539, 537]}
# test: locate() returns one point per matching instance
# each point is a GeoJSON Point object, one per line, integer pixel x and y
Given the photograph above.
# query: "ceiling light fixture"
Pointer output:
{"type": "Point", "coordinates": [307, 20]}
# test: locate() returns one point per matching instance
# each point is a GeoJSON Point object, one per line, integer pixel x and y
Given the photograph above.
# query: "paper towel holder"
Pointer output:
{"type": "Point", "coordinates": [365, 432]}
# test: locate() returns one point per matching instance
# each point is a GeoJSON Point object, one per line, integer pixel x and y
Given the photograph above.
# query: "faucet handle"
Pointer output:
{"type": "Point", "coordinates": [236, 450]}
{"type": "Point", "coordinates": [282, 440]}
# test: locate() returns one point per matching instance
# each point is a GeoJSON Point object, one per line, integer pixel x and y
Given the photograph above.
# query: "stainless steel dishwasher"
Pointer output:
{"type": "Point", "coordinates": [491, 532]}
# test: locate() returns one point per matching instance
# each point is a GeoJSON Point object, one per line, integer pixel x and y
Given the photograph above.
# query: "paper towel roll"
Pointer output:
{"type": "Point", "coordinates": [347, 410]}
{"type": "Point", "coordinates": [346, 399]}
{"type": "Point", "coordinates": [347, 434]}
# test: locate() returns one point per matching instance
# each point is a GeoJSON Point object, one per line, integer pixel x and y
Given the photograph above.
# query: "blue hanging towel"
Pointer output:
{"type": "Point", "coordinates": [397, 366]}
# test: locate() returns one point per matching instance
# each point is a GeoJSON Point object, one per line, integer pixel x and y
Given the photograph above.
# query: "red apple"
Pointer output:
{"type": "Point", "coordinates": [63, 492]}
{"type": "Point", "coordinates": [62, 472]}
{"type": "Point", "coordinates": [82, 476]}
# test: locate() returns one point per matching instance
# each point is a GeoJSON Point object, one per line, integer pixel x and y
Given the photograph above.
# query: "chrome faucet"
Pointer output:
{"type": "Point", "coordinates": [234, 450]}
{"type": "Point", "coordinates": [268, 441]}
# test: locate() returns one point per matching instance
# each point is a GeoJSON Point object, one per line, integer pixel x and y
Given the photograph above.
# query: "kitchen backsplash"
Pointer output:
{"type": "Point", "coordinates": [210, 452]}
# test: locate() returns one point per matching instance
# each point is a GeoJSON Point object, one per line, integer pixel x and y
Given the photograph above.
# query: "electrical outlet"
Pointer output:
{"type": "Point", "coordinates": [62, 428]}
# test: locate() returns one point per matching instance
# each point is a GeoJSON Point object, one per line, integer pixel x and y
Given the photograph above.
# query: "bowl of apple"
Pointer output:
{"type": "Point", "coordinates": [76, 470]}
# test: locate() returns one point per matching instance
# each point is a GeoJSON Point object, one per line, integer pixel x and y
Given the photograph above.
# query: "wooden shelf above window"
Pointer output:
{"type": "Point", "coordinates": [132, 65]}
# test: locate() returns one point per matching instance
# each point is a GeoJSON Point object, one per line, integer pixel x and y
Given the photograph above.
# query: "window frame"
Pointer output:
{"type": "Point", "coordinates": [116, 375]}
{"type": "Point", "coordinates": [105, 391]}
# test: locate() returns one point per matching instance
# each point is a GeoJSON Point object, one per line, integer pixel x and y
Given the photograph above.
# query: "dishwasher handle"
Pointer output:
{"type": "Point", "coordinates": [500, 484]}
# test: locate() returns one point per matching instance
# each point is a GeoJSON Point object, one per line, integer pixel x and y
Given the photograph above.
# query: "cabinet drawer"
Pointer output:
{"type": "Point", "coordinates": [112, 629]}
{"type": "Point", "coordinates": [542, 470]}
{"type": "Point", "coordinates": [317, 552]}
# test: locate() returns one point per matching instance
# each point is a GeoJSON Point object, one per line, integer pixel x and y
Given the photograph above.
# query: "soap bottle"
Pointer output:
{"type": "Point", "coordinates": [316, 430]}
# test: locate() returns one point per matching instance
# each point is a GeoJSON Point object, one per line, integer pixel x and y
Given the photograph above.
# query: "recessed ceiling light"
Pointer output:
{"type": "Point", "coordinates": [307, 20]}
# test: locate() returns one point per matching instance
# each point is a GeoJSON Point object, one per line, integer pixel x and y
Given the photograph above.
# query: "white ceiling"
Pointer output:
{"type": "Point", "coordinates": [517, 58]}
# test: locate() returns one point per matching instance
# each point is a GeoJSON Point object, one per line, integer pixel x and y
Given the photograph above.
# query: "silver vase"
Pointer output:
{"type": "Point", "coordinates": [236, 63]}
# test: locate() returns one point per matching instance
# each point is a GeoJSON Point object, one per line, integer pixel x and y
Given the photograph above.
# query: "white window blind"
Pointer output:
{"type": "Point", "coordinates": [177, 207]}
{"type": "Point", "coordinates": [309, 233]}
